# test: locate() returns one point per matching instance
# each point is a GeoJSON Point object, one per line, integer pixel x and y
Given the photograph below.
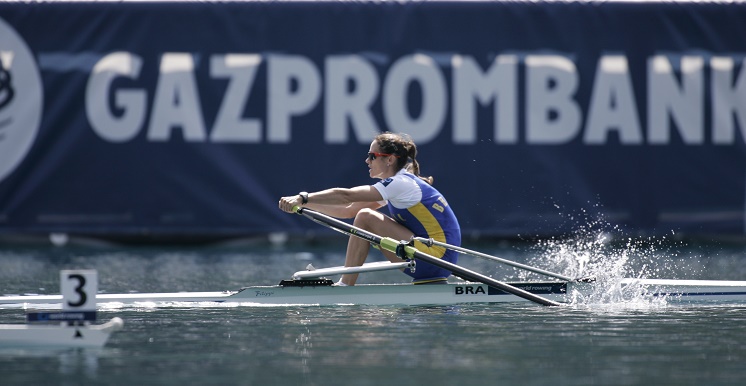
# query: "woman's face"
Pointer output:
{"type": "Point", "coordinates": [379, 166]}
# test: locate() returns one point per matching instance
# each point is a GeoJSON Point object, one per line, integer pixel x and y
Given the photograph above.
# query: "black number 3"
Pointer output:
{"type": "Point", "coordinates": [79, 290]}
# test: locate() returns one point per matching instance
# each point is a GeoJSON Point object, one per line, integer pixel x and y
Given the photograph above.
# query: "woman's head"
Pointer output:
{"type": "Point", "coordinates": [402, 150]}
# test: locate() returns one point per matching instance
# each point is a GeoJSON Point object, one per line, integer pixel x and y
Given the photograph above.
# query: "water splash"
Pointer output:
{"type": "Point", "coordinates": [600, 250]}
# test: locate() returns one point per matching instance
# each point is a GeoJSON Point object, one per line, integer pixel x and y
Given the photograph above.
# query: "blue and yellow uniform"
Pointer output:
{"type": "Point", "coordinates": [419, 207]}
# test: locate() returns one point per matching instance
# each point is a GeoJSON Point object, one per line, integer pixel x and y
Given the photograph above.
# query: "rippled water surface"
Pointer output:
{"type": "Point", "coordinates": [598, 341]}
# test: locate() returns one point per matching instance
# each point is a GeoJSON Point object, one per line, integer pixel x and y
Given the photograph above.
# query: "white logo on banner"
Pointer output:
{"type": "Point", "coordinates": [20, 99]}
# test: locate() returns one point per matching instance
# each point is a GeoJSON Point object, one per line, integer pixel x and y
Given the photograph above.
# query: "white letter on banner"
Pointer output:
{"type": "Point", "coordinates": [497, 85]}
{"type": "Point", "coordinates": [294, 89]}
{"type": "Point", "coordinates": [685, 104]}
{"type": "Point", "coordinates": [132, 102]}
{"type": "Point", "coordinates": [727, 100]}
{"type": "Point", "coordinates": [612, 104]}
{"type": "Point", "coordinates": [176, 102]}
{"type": "Point", "coordinates": [230, 126]}
{"type": "Point", "coordinates": [552, 116]}
{"type": "Point", "coordinates": [423, 70]}
{"type": "Point", "coordinates": [351, 88]}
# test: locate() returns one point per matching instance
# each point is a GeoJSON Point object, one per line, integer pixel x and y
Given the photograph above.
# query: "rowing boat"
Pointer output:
{"type": "Point", "coordinates": [312, 287]}
{"type": "Point", "coordinates": [323, 293]}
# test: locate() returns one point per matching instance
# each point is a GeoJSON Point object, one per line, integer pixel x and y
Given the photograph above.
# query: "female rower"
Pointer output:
{"type": "Point", "coordinates": [416, 208]}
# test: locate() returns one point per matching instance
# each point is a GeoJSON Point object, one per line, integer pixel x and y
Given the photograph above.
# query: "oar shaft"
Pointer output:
{"type": "Point", "coordinates": [339, 225]}
{"type": "Point", "coordinates": [495, 258]}
{"type": "Point", "coordinates": [391, 245]}
{"type": "Point", "coordinates": [478, 277]}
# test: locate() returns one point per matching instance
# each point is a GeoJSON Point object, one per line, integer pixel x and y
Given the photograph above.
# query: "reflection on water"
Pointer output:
{"type": "Point", "coordinates": [75, 363]}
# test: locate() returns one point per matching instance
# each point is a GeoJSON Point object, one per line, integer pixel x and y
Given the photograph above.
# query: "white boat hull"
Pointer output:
{"type": "Point", "coordinates": [59, 335]}
{"type": "Point", "coordinates": [408, 294]}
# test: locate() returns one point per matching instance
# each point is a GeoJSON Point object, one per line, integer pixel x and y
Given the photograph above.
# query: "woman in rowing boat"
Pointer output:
{"type": "Point", "coordinates": [416, 208]}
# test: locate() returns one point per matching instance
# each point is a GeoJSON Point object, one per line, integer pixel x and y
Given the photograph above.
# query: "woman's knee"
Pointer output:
{"type": "Point", "coordinates": [366, 217]}
{"type": "Point", "coordinates": [374, 221]}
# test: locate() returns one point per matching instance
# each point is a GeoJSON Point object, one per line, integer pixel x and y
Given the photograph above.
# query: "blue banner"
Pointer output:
{"type": "Point", "coordinates": [185, 119]}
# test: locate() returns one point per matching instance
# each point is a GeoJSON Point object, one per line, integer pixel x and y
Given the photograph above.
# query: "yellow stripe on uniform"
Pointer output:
{"type": "Point", "coordinates": [433, 229]}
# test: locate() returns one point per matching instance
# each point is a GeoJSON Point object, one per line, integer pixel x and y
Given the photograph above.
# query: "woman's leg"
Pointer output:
{"type": "Point", "coordinates": [357, 248]}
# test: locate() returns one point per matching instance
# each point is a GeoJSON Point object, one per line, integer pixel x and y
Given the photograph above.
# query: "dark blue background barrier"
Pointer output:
{"type": "Point", "coordinates": [185, 119]}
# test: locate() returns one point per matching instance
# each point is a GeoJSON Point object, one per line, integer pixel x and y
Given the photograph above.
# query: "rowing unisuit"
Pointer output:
{"type": "Point", "coordinates": [418, 206]}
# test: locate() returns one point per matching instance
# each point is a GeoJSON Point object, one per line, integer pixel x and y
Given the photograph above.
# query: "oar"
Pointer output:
{"type": "Point", "coordinates": [410, 252]}
{"type": "Point", "coordinates": [430, 242]}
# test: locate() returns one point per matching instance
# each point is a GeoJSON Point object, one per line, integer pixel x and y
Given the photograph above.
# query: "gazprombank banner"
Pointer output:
{"type": "Point", "coordinates": [162, 119]}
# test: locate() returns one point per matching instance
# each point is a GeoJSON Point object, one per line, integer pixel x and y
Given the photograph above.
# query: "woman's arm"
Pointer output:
{"type": "Point", "coordinates": [337, 202]}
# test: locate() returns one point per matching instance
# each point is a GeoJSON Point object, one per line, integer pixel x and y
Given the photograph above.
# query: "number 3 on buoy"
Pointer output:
{"type": "Point", "coordinates": [79, 288]}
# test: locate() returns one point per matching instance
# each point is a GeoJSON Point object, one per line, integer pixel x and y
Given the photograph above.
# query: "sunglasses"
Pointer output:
{"type": "Point", "coordinates": [373, 155]}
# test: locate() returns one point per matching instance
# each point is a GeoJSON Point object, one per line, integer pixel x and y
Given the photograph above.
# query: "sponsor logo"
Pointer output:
{"type": "Point", "coordinates": [535, 288]}
{"type": "Point", "coordinates": [532, 98]}
{"type": "Point", "coordinates": [362, 235]}
{"type": "Point", "coordinates": [20, 99]}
